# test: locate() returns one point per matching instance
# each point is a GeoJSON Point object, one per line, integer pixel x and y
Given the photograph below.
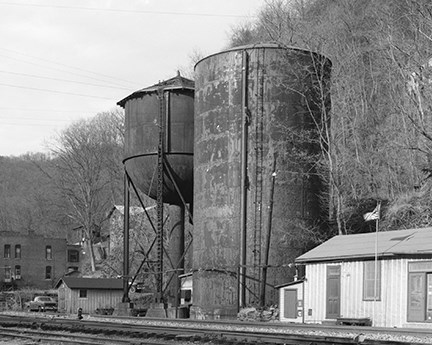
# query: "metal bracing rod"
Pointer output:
{"type": "Point", "coordinates": [171, 176]}
{"type": "Point", "coordinates": [176, 268]}
{"type": "Point", "coordinates": [141, 202]}
{"type": "Point", "coordinates": [145, 260]}
{"type": "Point", "coordinates": [147, 214]}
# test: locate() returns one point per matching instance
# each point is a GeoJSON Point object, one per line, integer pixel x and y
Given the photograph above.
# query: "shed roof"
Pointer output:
{"type": "Point", "coordinates": [295, 282]}
{"type": "Point", "coordinates": [92, 283]}
{"type": "Point", "coordinates": [385, 244]}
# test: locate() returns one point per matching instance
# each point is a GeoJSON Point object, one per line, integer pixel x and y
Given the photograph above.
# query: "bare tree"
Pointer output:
{"type": "Point", "coordinates": [379, 135]}
{"type": "Point", "coordinates": [88, 161]}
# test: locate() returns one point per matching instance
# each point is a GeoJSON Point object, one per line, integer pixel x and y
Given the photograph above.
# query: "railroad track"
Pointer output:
{"type": "Point", "coordinates": [167, 331]}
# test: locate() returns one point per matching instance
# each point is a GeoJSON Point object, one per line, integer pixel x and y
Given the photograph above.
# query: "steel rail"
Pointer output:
{"type": "Point", "coordinates": [221, 332]}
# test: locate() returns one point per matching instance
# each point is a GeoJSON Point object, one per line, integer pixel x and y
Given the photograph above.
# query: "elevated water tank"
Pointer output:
{"type": "Point", "coordinates": [281, 92]}
{"type": "Point", "coordinates": [175, 99]}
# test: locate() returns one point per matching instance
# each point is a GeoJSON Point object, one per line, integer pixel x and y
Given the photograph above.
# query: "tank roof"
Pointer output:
{"type": "Point", "coordinates": [177, 82]}
{"type": "Point", "coordinates": [264, 45]}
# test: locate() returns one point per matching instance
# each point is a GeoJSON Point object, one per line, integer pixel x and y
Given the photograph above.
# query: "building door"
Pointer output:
{"type": "Point", "coordinates": [333, 292]}
{"type": "Point", "coordinates": [61, 299]}
{"type": "Point", "coordinates": [429, 297]}
{"type": "Point", "coordinates": [290, 303]}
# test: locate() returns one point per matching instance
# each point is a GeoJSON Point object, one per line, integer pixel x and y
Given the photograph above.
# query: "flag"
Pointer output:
{"type": "Point", "coordinates": [375, 214]}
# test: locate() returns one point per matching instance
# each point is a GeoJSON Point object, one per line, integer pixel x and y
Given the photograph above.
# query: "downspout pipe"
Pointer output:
{"type": "Point", "coordinates": [243, 183]}
{"type": "Point", "coordinates": [125, 298]}
{"type": "Point", "coordinates": [268, 237]}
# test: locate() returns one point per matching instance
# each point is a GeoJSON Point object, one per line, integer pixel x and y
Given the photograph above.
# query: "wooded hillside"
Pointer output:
{"type": "Point", "coordinates": [381, 138]}
{"type": "Point", "coordinates": [380, 143]}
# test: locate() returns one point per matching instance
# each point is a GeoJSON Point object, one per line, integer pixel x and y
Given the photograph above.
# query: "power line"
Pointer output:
{"type": "Point", "coordinates": [119, 10]}
{"type": "Point", "coordinates": [62, 70]}
{"type": "Point", "coordinates": [53, 91]}
{"type": "Point", "coordinates": [26, 124]}
{"type": "Point", "coordinates": [46, 110]}
{"type": "Point", "coordinates": [69, 81]}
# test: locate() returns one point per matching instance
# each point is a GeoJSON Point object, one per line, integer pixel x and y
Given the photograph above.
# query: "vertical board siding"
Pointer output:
{"type": "Point", "coordinates": [283, 316]}
{"type": "Point", "coordinates": [389, 311]}
{"type": "Point", "coordinates": [315, 293]}
{"type": "Point", "coordinates": [95, 299]}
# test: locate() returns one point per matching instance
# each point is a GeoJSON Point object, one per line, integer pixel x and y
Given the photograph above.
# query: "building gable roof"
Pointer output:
{"type": "Point", "coordinates": [92, 283]}
{"type": "Point", "coordinates": [384, 244]}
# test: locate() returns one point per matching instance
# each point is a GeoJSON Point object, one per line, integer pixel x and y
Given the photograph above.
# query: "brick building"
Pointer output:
{"type": "Point", "coordinates": [33, 260]}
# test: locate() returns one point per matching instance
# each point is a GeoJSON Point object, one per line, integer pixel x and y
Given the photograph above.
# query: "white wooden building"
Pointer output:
{"type": "Point", "coordinates": [89, 294]}
{"type": "Point", "coordinates": [384, 276]}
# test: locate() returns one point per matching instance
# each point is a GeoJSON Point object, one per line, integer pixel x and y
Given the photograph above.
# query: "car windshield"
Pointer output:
{"type": "Point", "coordinates": [44, 299]}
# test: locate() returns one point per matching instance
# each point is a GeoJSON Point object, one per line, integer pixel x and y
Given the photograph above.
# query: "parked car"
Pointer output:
{"type": "Point", "coordinates": [42, 303]}
{"type": "Point", "coordinates": [136, 287]}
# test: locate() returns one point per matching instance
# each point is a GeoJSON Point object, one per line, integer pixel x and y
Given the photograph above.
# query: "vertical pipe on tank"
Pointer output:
{"type": "Point", "coordinates": [167, 147]}
{"type": "Point", "coordinates": [126, 241]}
{"type": "Point", "coordinates": [176, 227]}
{"type": "Point", "coordinates": [243, 183]}
{"type": "Point", "coordinates": [268, 237]}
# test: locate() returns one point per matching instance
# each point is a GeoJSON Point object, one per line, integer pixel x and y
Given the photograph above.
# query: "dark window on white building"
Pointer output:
{"type": "Point", "coordinates": [372, 280]}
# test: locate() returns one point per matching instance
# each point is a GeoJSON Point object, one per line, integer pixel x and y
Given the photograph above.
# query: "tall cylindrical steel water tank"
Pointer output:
{"type": "Point", "coordinates": [175, 98]}
{"type": "Point", "coordinates": [168, 108]}
{"type": "Point", "coordinates": [252, 182]}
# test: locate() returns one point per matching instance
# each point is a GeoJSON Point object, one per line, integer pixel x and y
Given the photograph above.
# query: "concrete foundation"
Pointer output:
{"type": "Point", "coordinates": [221, 313]}
{"type": "Point", "coordinates": [157, 310]}
{"type": "Point", "coordinates": [123, 309]}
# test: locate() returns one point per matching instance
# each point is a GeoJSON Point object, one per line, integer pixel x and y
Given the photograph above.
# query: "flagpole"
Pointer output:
{"type": "Point", "coordinates": [375, 215]}
{"type": "Point", "coordinates": [376, 262]}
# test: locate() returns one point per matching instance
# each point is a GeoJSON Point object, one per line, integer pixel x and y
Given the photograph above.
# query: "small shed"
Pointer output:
{"type": "Point", "coordinates": [383, 277]}
{"type": "Point", "coordinates": [291, 301]}
{"type": "Point", "coordinates": [89, 294]}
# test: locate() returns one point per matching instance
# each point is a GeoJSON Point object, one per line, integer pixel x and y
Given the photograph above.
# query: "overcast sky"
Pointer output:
{"type": "Point", "coordinates": [62, 60]}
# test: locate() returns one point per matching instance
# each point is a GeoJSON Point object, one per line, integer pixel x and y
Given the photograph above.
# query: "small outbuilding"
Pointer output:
{"type": "Point", "coordinates": [382, 278]}
{"type": "Point", "coordinates": [89, 294]}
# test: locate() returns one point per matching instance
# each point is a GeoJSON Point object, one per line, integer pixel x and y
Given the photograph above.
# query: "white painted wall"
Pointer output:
{"type": "Point", "coordinates": [300, 308]}
{"type": "Point", "coordinates": [390, 311]}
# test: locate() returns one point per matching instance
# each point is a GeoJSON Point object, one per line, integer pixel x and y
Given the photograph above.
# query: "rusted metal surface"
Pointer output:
{"type": "Point", "coordinates": [159, 161]}
{"type": "Point", "coordinates": [283, 103]}
{"type": "Point", "coordinates": [141, 137]}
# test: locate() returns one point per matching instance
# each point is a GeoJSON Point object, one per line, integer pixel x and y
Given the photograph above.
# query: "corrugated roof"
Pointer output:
{"type": "Point", "coordinates": [388, 243]}
{"type": "Point", "coordinates": [177, 82]}
{"type": "Point", "coordinates": [92, 283]}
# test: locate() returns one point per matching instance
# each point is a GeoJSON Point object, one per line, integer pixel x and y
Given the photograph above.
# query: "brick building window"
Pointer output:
{"type": "Point", "coordinates": [73, 255]}
{"type": "Point", "coordinates": [82, 293]}
{"type": "Point", "coordinates": [48, 252]}
{"type": "Point", "coordinates": [7, 251]}
{"type": "Point", "coordinates": [17, 272]}
{"type": "Point", "coordinates": [18, 251]}
{"type": "Point", "coordinates": [48, 272]}
{"type": "Point", "coordinates": [8, 274]}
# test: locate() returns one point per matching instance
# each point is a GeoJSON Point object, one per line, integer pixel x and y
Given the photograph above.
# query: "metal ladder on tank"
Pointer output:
{"type": "Point", "coordinates": [259, 181]}
{"type": "Point", "coordinates": [160, 206]}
